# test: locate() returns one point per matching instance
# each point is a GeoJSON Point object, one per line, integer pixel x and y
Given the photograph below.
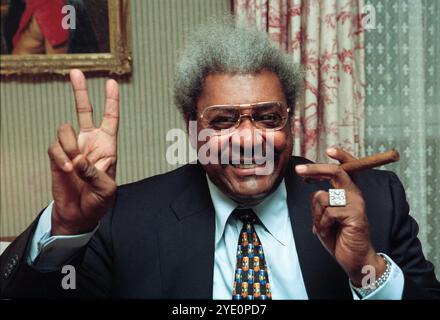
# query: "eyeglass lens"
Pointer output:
{"type": "Point", "coordinates": [266, 116]}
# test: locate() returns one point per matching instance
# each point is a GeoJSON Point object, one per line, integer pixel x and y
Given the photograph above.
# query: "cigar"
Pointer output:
{"type": "Point", "coordinates": [369, 162]}
{"type": "Point", "coordinates": [373, 161]}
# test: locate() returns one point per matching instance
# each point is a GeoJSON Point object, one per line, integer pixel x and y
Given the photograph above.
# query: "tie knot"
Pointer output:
{"type": "Point", "coordinates": [246, 215]}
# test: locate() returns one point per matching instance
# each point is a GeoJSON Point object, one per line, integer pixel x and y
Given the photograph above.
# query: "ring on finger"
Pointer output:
{"type": "Point", "coordinates": [337, 198]}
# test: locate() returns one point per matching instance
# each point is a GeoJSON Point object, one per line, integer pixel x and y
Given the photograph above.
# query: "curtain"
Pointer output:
{"type": "Point", "coordinates": [403, 104]}
{"type": "Point", "coordinates": [326, 37]}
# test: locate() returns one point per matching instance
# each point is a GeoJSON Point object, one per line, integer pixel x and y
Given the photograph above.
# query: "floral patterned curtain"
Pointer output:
{"type": "Point", "coordinates": [326, 37]}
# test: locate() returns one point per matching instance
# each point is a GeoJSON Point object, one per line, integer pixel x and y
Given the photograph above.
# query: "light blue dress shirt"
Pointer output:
{"type": "Point", "coordinates": [48, 253]}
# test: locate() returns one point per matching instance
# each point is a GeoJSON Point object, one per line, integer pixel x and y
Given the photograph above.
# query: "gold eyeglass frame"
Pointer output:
{"type": "Point", "coordinates": [249, 115]}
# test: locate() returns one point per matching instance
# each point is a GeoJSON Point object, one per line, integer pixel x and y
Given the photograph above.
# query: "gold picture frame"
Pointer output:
{"type": "Point", "coordinates": [117, 61]}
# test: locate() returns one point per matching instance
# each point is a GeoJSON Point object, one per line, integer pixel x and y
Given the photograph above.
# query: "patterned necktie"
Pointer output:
{"type": "Point", "coordinates": [251, 280]}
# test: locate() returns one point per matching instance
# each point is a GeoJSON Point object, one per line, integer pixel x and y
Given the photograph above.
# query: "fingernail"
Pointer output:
{"type": "Point", "coordinates": [301, 168]}
{"type": "Point", "coordinates": [68, 166]}
{"type": "Point", "coordinates": [331, 151]}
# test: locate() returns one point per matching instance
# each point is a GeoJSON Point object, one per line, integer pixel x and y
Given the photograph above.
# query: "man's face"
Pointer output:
{"type": "Point", "coordinates": [242, 183]}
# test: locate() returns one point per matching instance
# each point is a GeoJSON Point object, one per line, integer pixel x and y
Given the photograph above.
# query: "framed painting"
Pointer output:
{"type": "Point", "coordinates": [54, 36]}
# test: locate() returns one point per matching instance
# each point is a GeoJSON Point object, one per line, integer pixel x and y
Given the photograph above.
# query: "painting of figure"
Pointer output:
{"type": "Point", "coordinates": [54, 26]}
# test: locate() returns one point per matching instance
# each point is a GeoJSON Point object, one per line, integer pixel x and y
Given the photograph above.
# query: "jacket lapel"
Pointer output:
{"type": "Point", "coordinates": [186, 242]}
{"type": "Point", "coordinates": [323, 277]}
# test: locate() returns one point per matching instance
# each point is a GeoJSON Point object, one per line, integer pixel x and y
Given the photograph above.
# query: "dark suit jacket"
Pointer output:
{"type": "Point", "coordinates": [158, 242]}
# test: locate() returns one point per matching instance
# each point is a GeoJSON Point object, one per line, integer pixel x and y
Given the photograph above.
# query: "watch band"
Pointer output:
{"type": "Point", "coordinates": [365, 291]}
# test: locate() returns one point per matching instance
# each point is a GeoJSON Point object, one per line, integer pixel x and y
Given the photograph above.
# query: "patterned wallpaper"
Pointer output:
{"type": "Point", "coordinates": [33, 107]}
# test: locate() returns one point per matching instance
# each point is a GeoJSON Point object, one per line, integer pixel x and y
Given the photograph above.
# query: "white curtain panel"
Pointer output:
{"type": "Point", "coordinates": [403, 104]}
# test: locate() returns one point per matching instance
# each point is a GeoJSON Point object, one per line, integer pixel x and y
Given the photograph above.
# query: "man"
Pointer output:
{"type": "Point", "coordinates": [220, 228]}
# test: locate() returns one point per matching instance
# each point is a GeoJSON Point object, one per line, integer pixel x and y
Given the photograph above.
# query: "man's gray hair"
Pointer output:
{"type": "Point", "coordinates": [223, 47]}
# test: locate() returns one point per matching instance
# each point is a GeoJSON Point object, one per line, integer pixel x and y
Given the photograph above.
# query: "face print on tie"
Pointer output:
{"type": "Point", "coordinates": [245, 264]}
{"type": "Point", "coordinates": [244, 237]}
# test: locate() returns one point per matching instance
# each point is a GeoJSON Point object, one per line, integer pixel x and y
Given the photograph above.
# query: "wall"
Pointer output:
{"type": "Point", "coordinates": [33, 107]}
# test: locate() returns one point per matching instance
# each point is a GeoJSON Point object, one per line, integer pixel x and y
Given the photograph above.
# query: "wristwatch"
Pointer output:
{"type": "Point", "coordinates": [370, 288]}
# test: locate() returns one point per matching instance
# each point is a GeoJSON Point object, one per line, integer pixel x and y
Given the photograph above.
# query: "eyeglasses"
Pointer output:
{"type": "Point", "coordinates": [270, 115]}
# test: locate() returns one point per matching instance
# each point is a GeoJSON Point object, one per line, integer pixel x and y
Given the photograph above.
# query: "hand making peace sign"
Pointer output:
{"type": "Point", "coordinates": [83, 166]}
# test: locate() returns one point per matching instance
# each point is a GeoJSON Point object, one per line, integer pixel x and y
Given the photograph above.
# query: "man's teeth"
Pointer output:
{"type": "Point", "coordinates": [245, 166]}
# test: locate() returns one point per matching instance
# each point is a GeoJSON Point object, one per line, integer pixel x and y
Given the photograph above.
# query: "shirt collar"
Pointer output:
{"type": "Point", "coordinates": [223, 206]}
{"type": "Point", "coordinates": [272, 211]}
